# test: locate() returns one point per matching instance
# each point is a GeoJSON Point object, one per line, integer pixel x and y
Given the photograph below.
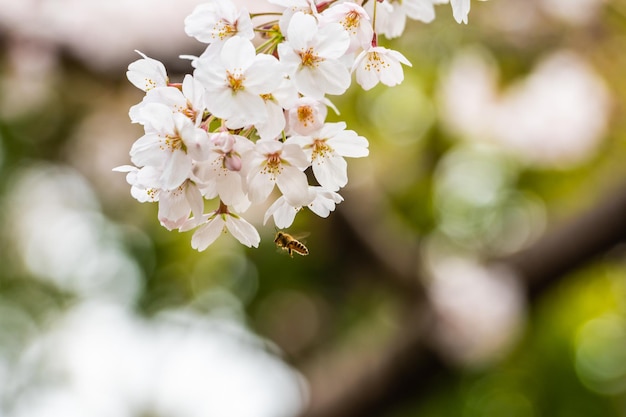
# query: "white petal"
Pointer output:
{"type": "Point", "coordinates": [295, 156]}
{"type": "Point", "coordinates": [176, 170]}
{"type": "Point", "coordinates": [349, 144]}
{"type": "Point", "coordinates": [331, 172]}
{"type": "Point", "coordinates": [147, 73]}
{"type": "Point", "coordinates": [333, 41]}
{"type": "Point", "coordinates": [293, 184]}
{"type": "Point", "coordinates": [260, 185]}
{"type": "Point", "coordinates": [194, 198]}
{"type": "Point", "coordinates": [237, 54]}
{"type": "Point", "coordinates": [302, 28]}
{"type": "Point", "coordinates": [174, 209]}
{"type": "Point", "coordinates": [284, 214]}
{"type": "Point", "coordinates": [208, 233]}
{"type": "Point", "coordinates": [243, 231]}
{"type": "Point", "coordinates": [460, 10]}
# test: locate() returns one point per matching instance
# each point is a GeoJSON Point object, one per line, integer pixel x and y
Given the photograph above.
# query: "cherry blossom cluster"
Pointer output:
{"type": "Point", "coordinates": [250, 122]}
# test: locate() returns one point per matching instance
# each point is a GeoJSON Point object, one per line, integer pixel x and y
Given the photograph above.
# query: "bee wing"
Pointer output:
{"type": "Point", "coordinates": [301, 235]}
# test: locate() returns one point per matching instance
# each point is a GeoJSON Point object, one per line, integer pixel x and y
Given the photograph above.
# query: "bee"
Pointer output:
{"type": "Point", "coordinates": [290, 244]}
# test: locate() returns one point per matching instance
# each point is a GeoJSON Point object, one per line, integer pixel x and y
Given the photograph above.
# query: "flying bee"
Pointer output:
{"type": "Point", "coordinates": [290, 244]}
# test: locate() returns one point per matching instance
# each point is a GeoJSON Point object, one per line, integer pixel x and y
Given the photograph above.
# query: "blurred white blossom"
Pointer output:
{"type": "Point", "coordinates": [556, 116]}
{"type": "Point", "coordinates": [480, 310]}
{"type": "Point", "coordinates": [100, 360]}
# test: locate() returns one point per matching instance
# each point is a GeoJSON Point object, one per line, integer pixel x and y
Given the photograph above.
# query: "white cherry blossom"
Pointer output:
{"type": "Point", "coordinates": [236, 81]}
{"type": "Point", "coordinates": [252, 120]}
{"type": "Point", "coordinates": [170, 144]}
{"type": "Point", "coordinates": [140, 180]}
{"type": "Point", "coordinates": [354, 20]}
{"type": "Point", "coordinates": [220, 222]}
{"type": "Point", "coordinates": [220, 175]}
{"type": "Point", "coordinates": [147, 73]}
{"type": "Point", "coordinates": [189, 101]}
{"type": "Point", "coordinates": [326, 150]}
{"type": "Point", "coordinates": [273, 163]}
{"type": "Point", "coordinates": [312, 56]}
{"type": "Point", "coordinates": [379, 64]}
{"type": "Point", "coordinates": [284, 97]}
{"type": "Point", "coordinates": [322, 203]}
{"type": "Point", "coordinates": [306, 116]}
{"type": "Point", "coordinates": [217, 21]}
{"type": "Point", "coordinates": [176, 205]}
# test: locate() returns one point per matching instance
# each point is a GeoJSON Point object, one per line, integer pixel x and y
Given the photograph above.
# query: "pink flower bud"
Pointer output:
{"type": "Point", "coordinates": [232, 162]}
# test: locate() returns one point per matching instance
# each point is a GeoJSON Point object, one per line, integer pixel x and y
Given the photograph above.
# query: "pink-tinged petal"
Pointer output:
{"type": "Point", "coordinates": [331, 172]}
{"type": "Point", "coordinates": [293, 184]}
{"type": "Point", "coordinates": [208, 233]}
{"type": "Point", "coordinates": [176, 170]}
{"type": "Point", "coordinates": [174, 209]}
{"type": "Point", "coordinates": [243, 231]}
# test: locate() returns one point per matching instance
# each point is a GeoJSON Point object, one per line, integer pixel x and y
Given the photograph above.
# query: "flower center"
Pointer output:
{"type": "Point", "coordinates": [173, 143]}
{"type": "Point", "coordinates": [190, 112]}
{"type": "Point", "coordinates": [320, 149]}
{"type": "Point", "coordinates": [305, 115]}
{"type": "Point", "coordinates": [351, 21]}
{"type": "Point", "coordinates": [268, 97]}
{"type": "Point", "coordinates": [225, 29]}
{"type": "Point", "coordinates": [309, 58]}
{"type": "Point", "coordinates": [375, 62]}
{"type": "Point", "coordinates": [273, 164]}
{"type": "Point", "coordinates": [235, 81]}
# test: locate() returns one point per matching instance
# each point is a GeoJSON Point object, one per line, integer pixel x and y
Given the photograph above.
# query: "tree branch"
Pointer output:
{"type": "Point", "coordinates": [410, 365]}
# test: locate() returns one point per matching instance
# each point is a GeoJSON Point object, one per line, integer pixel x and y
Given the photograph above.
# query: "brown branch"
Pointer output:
{"type": "Point", "coordinates": [409, 365]}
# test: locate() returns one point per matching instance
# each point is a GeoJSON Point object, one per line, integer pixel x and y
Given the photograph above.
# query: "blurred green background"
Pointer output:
{"type": "Point", "coordinates": [503, 131]}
